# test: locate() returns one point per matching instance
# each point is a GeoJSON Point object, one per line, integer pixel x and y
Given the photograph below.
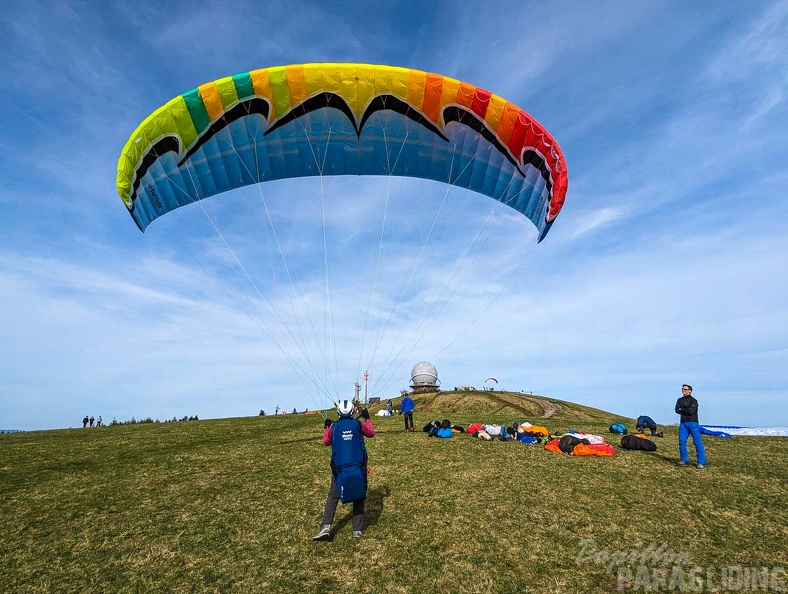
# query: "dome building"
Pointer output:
{"type": "Point", "coordinates": [424, 377]}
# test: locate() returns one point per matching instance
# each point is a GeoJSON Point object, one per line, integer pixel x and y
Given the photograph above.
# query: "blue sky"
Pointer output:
{"type": "Point", "coordinates": [665, 266]}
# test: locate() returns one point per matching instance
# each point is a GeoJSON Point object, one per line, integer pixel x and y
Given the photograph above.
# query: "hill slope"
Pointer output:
{"type": "Point", "coordinates": [229, 505]}
{"type": "Point", "coordinates": [504, 404]}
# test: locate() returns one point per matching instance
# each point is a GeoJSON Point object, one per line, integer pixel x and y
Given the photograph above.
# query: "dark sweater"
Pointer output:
{"type": "Point", "coordinates": [687, 407]}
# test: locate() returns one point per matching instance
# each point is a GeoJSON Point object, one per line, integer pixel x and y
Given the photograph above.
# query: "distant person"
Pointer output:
{"type": "Point", "coordinates": [92, 420]}
{"type": "Point", "coordinates": [99, 421]}
{"type": "Point", "coordinates": [406, 408]}
{"type": "Point", "coordinates": [644, 422]}
{"type": "Point", "coordinates": [348, 466]}
{"type": "Point", "coordinates": [389, 406]}
{"type": "Point", "coordinates": [687, 407]}
{"type": "Point", "coordinates": [85, 421]}
{"type": "Point", "coordinates": [276, 410]}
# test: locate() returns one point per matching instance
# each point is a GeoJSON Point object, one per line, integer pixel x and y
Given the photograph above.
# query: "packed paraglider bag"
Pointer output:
{"type": "Point", "coordinates": [633, 442]}
{"type": "Point", "coordinates": [619, 428]}
{"type": "Point", "coordinates": [568, 442]}
{"type": "Point", "coordinates": [431, 428]}
{"type": "Point", "coordinates": [445, 430]}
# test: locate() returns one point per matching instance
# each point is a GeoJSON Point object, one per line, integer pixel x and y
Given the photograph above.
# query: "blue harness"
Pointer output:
{"type": "Point", "coordinates": [349, 460]}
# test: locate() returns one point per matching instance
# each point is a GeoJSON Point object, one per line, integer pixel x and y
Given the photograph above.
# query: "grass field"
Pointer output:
{"type": "Point", "coordinates": [230, 506]}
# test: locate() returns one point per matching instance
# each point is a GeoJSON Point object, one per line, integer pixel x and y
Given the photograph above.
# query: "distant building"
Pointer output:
{"type": "Point", "coordinates": [467, 388]}
{"type": "Point", "coordinates": [424, 377]}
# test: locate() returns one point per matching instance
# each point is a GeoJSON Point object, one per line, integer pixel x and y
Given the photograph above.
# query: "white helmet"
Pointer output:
{"type": "Point", "coordinates": [345, 408]}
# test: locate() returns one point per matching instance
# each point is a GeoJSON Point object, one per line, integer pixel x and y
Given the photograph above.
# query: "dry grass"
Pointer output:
{"type": "Point", "coordinates": [230, 506]}
{"type": "Point", "coordinates": [503, 404]}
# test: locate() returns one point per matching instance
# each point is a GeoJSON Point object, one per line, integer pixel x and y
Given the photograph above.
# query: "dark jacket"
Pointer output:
{"type": "Point", "coordinates": [687, 407]}
{"type": "Point", "coordinates": [647, 422]}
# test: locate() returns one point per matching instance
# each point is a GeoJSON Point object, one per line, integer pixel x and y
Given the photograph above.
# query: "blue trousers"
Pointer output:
{"type": "Point", "coordinates": [687, 428]}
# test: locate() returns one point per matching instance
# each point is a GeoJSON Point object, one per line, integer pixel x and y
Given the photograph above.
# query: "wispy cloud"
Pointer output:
{"type": "Point", "coordinates": [596, 219]}
{"type": "Point", "coordinates": [664, 267]}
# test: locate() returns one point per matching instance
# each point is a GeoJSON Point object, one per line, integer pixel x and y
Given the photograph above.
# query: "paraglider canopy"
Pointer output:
{"type": "Point", "coordinates": [317, 120]}
{"type": "Point", "coordinates": [339, 119]}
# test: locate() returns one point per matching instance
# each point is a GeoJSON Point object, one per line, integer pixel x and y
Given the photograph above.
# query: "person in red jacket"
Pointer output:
{"type": "Point", "coordinates": [351, 446]}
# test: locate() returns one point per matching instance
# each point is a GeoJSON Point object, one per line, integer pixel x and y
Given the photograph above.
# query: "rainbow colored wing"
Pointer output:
{"type": "Point", "coordinates": [340, 119]}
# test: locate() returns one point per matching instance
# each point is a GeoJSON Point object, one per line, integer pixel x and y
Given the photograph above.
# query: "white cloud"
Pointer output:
{"type": "Point", "coordinates": [596, 219]}
{"type": "Point", "coordinates": [665, 266]}
{"type": "Point", "coordinates": [760, 46]}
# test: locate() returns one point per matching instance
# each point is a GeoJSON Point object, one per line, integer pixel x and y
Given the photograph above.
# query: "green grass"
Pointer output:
{"type": "Point", "coordinates": [230, 506]}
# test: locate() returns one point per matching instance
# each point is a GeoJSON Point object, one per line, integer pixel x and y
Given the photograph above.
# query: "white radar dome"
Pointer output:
{"type": "Point", "coordinates": [424, 374]}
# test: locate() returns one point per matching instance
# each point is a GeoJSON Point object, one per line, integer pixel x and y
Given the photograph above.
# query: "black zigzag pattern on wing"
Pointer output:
{"type": "Point", "coordinates": [171, 143]}
{"type": "Point", "coordinates": [319, 101]}
{"type": "Point", "coordinates": [162, 146]}
{"type": "Point", "coordinates": [384, 102]}
{"type": "Point", "coordinates": [455, 113]}
{"type": "Point", "coordinates": [236, 112]}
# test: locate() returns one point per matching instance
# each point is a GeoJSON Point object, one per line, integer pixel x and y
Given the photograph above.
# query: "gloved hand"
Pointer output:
{"type": "Point", "coordinates": [365, 413]}
{"type": "Point", "coordinates": [328, 423]}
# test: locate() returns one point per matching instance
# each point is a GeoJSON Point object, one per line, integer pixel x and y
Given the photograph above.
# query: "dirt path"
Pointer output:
{"type": "Point", "coordinates": [507, 404]}
{"type": "Point", "coordinates": [550, 408]}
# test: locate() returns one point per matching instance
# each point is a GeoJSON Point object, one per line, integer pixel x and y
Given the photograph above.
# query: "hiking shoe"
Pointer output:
{"type": "Point", "coordinates": [681, 463]}
{"type": "Point", "coordinates": [701, 466]}
{"type": "Point", "coordinates": [324, 533]}
{"type": "Point", "coordinates": [357, 533]}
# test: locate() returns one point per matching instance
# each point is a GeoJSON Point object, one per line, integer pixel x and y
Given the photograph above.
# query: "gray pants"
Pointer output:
{"type": "Point", "coordinates": [331, 507]}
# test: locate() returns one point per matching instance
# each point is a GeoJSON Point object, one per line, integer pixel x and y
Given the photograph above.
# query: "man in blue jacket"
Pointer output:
{"type": "Point", "coordinates": [644, 422]}
{"type": "Point", "coordinates": [687, 407]}
{"type": "Point", "coordinates": [406, 408]}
